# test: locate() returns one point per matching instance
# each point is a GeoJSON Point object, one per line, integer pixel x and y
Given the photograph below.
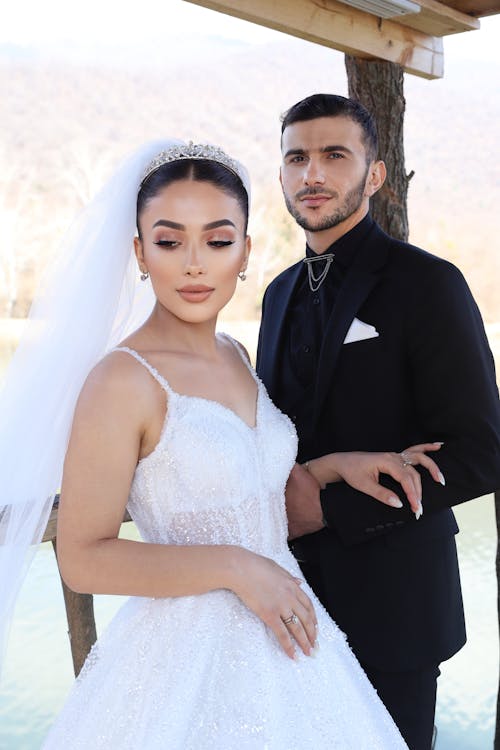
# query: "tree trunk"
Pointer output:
{"type": "Point", "coordinates": [497, 513]}
{"type": "Point", "coordinates": [378, 85]}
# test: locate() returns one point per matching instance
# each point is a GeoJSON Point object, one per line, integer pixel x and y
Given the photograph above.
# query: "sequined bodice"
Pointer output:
{"type": "Point", "coordinates": [212, 479]}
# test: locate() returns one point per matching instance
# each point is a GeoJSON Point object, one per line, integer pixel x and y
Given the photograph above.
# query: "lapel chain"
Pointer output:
{"type": "Point", "coordinates": [316, 281]}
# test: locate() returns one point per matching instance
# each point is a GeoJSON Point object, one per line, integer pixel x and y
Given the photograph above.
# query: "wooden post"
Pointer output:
{"type": "Point", "coordinates": [496, 744]}
{"type": "Point", "coordinates": [378, 85]}
{"type": "Point", "coordinates": [81, 622]}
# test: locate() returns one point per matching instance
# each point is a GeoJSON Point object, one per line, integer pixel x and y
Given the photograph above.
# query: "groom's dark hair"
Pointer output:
{"type": "Point", "coordinates": [332, 105]}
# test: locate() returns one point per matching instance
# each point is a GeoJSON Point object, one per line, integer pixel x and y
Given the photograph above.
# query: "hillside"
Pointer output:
{"type": "Point", "coordinates": [64, 126]}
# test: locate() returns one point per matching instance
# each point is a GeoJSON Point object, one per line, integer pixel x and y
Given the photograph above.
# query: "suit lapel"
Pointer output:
{"type": "Point", "coordinates": [362, 277]}
{"type": "Point", "coordinates": [270, 339]}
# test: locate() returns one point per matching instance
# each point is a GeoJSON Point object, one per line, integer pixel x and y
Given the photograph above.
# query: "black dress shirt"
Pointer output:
{"type": "Point", "coordinates": [307, 319]}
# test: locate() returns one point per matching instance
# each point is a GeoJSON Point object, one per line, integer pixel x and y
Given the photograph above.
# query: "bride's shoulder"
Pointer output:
{"type": "Point", "coordinates": [116, 382]}
{"type": "Point", "coordinates": [235, 344]}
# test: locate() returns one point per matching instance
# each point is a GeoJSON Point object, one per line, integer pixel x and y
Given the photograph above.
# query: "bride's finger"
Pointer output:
{"type": "Point", "coordinates": [428, 463]}
{"type": "Point", "coordinates": [301, 625]}
{"type": "Point", "coordinates": [408, 478]}
{"type": "Point", "coordinates": [424, 447]}
{"type": "Point", "coordinates": [284, 637]}
{"type": "Point", "coordinates": [309, 620]}
{"type": "Point", "coordinates": [412, 485]}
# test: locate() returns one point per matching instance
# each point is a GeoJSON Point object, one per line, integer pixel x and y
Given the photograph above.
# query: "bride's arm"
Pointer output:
{"type": "Point", "coordinates": [109, 435]}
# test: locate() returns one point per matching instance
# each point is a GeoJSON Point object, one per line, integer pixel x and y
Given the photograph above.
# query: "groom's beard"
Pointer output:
{"type": "Point", "coordinates": [350, 205]}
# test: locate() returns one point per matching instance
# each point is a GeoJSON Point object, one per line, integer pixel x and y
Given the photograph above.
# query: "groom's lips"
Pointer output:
{"type": "Point", "coordinates": [312, 201]}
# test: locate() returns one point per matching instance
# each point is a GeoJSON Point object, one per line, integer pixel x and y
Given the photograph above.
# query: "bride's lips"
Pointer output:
{"type": "Point", "coordinates": [195, 292]}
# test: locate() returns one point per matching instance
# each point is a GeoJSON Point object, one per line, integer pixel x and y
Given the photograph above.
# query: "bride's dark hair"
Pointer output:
{"type": "Point", "coordinates": [198, 170]}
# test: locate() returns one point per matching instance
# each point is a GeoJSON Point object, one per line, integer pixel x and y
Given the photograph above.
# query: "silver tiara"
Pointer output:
{"type": "Point", "coordinates": [195, 151]}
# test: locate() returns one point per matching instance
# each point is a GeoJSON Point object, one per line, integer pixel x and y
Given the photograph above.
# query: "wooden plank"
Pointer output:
{"type": "Point", "coordinates": [438, 19]}
{"type": "Point", "coordinates": [51, 528]}
{"type": "Point", "coordinates": [476, 8]}
{"type": "Point", "coordinates": [340, 27]}
{"type": "Point", "coordinates": [81, 623]}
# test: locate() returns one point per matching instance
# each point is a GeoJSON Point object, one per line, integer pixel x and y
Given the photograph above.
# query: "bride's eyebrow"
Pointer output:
{"type": "Point", "coordinates": [219, 223]}
{"type": "Point", "coordinates": [170, 224]}
{"type": "Point", "coordinates": [182, 227]}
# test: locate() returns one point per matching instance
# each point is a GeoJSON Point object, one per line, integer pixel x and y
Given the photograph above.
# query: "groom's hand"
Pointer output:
{"type": "Point", "coordinates": [303, 506]}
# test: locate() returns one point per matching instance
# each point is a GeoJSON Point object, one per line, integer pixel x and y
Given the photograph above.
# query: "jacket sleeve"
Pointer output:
{"type": "Point", "coordinates": [455, 397]}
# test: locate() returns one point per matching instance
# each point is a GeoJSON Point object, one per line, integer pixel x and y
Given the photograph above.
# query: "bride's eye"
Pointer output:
{"type": "Point", "coordinates": [166, 243]}
{"type": "Point", "coordinates": [220, 243]}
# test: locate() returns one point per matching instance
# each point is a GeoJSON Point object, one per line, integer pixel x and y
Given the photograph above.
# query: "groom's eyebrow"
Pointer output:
{"type": "Point", "coordinates": [182, 227]}
{"type": "Point", "coordinates": [324, 150]}
{"type": "Point", "coordinates": [294, 152]}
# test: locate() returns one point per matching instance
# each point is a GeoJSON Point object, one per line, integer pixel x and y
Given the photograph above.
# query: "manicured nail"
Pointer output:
{"type": "Point", "coordinates": [395, 502]}
{"type": "Point", "coordinates": [441, 479]}
{"type": "Point", "coordinates": [419, 511]}
{"type": "Point", "coordinates": [438, 442]}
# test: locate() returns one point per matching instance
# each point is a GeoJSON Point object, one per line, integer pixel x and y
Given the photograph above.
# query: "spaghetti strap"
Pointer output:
{"type": "Point", "coordinates": [152, 370]}
{"type": "Point", "coordinates": [242, 353]}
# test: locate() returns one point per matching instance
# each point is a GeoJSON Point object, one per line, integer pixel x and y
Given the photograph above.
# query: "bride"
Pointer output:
{"type": "Point", "coordinates": [222, 644]}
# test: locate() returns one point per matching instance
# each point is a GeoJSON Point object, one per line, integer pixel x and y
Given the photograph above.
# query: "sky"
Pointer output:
{"type": "Point", "coordinates": [163, 23]}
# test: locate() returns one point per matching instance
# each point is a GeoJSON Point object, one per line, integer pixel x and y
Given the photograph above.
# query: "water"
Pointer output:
{"type": "Point", "coordinates": [38, 671]}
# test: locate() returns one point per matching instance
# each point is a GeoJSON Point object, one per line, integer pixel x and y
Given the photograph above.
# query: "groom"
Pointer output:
{"type": "Point", "coordinates": [372, 344]}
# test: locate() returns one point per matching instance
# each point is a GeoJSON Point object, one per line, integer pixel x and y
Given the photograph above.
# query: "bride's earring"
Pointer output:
{"type": "Point", "coordinates": [144, 275]}
{"type": "Point", "coordinates": [242, 275]}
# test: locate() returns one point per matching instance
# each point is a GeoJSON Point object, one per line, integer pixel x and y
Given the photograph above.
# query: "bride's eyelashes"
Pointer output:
{"type": "Point", "coordinates": [220, 243]}
{"type": "Point", "coordinates": [166, 243]}
{"type": "Point", "coordinates": [171, 244]}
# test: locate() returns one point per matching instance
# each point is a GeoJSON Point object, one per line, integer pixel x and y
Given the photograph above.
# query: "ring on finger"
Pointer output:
{"type": "Point", "coordinates": [292, 620]}
{"type": "Point", "coordinates": [406, 459]}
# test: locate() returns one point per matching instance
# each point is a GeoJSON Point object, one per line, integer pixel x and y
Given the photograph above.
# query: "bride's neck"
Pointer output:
{"type": "Point", "coordinates": [165, 330]}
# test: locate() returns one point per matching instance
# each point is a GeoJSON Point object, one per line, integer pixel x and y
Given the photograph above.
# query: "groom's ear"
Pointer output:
{"type": "Point", "coordinates": [377, 173]}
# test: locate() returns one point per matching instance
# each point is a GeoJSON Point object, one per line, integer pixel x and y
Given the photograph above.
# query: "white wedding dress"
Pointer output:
{"type": "Point", "coordinates": [203, 672]}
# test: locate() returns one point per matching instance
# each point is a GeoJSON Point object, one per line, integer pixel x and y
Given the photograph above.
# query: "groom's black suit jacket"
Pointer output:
{"type": "Point", "coordinates": [391, 582]}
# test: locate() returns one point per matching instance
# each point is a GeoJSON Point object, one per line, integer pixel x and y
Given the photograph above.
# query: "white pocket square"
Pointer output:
{"type": "Point", "coordinates": [360, 331]}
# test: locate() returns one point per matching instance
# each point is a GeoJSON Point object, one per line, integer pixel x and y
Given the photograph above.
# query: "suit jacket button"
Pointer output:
{"type": "Point", "coordinates": [369, 530]}
{"type": "Point", "coordinates": [399, 523]}
{"type": "Point", "coordinates": [380, 527]}
{"type": "Point", "coordinates": [389, 525]}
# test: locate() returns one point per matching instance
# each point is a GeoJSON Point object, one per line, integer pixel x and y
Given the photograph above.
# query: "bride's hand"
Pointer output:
{"type": "Point", "coordinates": [276, 597]}
{"type": "Point", "coordinates": [362, 470]}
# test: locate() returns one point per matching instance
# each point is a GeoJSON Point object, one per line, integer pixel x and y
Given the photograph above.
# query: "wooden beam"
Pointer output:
{"type": "Point", "coordinates": [336, 25]}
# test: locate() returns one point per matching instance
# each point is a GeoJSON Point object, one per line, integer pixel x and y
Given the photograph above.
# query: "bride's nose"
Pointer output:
{"type": "Point", "coordinates": [193, 266]}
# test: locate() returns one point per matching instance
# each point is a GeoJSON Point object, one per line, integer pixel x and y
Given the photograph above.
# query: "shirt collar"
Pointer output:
{"type": "Point", "coordinates": [346, 247]}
